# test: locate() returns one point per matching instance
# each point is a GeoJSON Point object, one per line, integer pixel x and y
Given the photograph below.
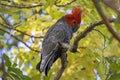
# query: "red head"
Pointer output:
{"type": "Point", "coordinates": [74, 18]}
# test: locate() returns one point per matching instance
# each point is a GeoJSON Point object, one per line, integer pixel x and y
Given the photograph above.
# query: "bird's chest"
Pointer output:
{"type": "Point", "coordinates": [68, 36]}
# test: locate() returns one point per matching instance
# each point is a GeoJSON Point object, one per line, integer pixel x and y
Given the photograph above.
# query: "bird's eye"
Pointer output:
{"type": "Point", "coordinates": [74, 22]}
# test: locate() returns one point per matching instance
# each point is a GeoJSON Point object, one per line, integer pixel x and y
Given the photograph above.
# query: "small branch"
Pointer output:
{"type": "Point", "coordinates": [11, 27]}
{"type": "Point", "coordinates": [3, 18]}
{"type": "Point", "coordinates": [33, 6]}
{"type": "Point", "coordinates": [85, 32]}
{"type": "Point", "coordinates": [21, 7]}
{"type": "Point", "coordinates": [18, 39]}
{"type": "Point", "coordinates": [105, 20]}
{"type": "Point", "coordinates": [56, 3]}
{"type": "Point", "coordinates": [7, 22]}
{"type": "Point", "coordinates": [103, 37]}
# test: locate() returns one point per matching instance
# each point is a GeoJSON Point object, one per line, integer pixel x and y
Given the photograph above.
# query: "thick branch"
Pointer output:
{"type": "Point", "coordinates": [80, 36]}
{"type": "Point", "coordinates": [105, 19]}
{"type": "Point", "coordinates": [20, 7]}
{"type": "Point", "coordinates": [18, 39]}
{"type": "Point", "coordinates": [85, 32]}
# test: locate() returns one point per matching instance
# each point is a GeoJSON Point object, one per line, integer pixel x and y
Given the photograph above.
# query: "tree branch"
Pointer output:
{"type": "Point", "coordinates": [56, 3]}
{"type": "Point", "coordinates": [73, 48]}
{"type": "Point", "coordinates": [85, 32]}
{"type": "Point", "coordinates": [3, 18]}
{"type": "Point", "coordinates": [11, 27]}
{"type": "Point", "coordinates": [21, 7]}
{"type": "Point", "coordinates": [105, 20]}
{"type": "Point", "coordinates": [18, 39]}
{"type": "Point", "coordinates": [103, 37]}
{"type": "Point", "coordinates": [32, 6]}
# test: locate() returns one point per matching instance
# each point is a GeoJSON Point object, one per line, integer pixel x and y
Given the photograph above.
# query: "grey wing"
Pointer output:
{"type": "Point", "coordinates": [50, 48]}
{"type": "Point", "coordinates": [55, 34]}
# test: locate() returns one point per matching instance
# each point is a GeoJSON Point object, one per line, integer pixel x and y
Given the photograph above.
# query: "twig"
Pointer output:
{"type": "Point", "coordinates": [105, 20]}
{"type": "Point", "coordinates": [103, 37]}
{"type": "Point", "coordinates": [64, 4]}
{"type": "Point", "coordinates": [18, 40]}
{"type": "Point", "coordinates": [37, 5]}
{"type": "Point", "coordinates": [3, 18]}
{"type": "Point", "coordinates": [21, 7]}
{"type": "Point", "coordinates": [11, 27]}
{"type": "Point", "coordinates": [85, 32]}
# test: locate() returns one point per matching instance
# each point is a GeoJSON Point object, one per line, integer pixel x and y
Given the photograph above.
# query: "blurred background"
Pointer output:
{"type": "Point", "coordinates": [23, 24]}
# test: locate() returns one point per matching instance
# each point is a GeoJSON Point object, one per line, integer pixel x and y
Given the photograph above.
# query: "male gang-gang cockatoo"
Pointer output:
{"type": "Point", "coordinates": [61, 31]}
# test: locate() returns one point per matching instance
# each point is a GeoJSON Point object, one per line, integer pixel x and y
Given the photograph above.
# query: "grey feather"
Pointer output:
{"type": "Point", "coordinates": [59, 32]}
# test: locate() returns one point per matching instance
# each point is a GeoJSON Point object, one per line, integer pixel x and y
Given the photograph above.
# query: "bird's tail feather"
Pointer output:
{"type": "Point", "coordinates": [46, 62]}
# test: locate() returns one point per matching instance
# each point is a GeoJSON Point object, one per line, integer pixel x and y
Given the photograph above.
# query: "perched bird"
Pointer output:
{"type": "Point", "coordinates": [61, 31]}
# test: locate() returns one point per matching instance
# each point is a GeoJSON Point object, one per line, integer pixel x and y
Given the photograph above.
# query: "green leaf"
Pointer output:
{"type": "Point", "coordinates": [115, 67]}
{"type": "Point", "coordinates": [117, 23]}
{"type": "Point", "coordinates": [15, 75]}
{"type": "Point", "coordinates": [26, 77]}
{"type": "Point", "coordinates": [18, 72]}
{"type": "Point", "coordinates": [7, 61]}
{"type": "Point", "coordinates": [10, 77]}
{"type": "Point", "coordinates": [1, 32]}
{"type": "Point", "coordinates": [114, 77]}
{"type": "Point", "coordinates": [14, 65]}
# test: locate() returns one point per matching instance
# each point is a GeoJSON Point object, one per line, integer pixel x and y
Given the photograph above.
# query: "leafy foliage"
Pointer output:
{"type": "Point", "coordinates": [28, 24]}
{"type": "Point", "coordinates": [13, 72]}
